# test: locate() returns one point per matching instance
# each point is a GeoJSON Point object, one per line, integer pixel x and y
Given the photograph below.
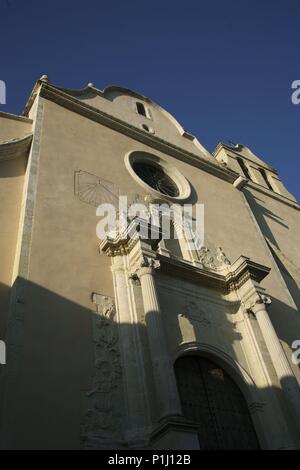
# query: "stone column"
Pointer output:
{"type": "Point", "coordinates": [280, 362]}
{"type": "Point", "coordinates": [137, 421]}
{"type": "Point", "coordinates": [163, 371]}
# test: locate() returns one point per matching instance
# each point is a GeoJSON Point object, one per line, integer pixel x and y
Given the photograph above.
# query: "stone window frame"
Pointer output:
{"type": "Point", "coordinates": [173, 173]}
{"type": "Point", "coordinates": [147, 114]}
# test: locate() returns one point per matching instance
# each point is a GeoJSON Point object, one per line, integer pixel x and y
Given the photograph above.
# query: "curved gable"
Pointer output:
{"type": "Point", "coordinates": [122, 102]}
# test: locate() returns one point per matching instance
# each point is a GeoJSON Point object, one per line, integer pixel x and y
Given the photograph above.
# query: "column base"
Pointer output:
{"type": "Point", "coordinates": [175, 433]}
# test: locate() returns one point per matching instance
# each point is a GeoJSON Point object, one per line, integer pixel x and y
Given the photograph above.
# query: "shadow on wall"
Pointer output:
{"type": "Point", "coordinates": [62, 387]}
{"type": "Point", "coordinates": [50, 362]}
{"type": "Point", "coordinates": [261, 213]}
{"type": "Point", "coordinates": [286, 320]}
{"type": "Point", "coordinates": [208, 345]}
{"type": "Point", "coordinates": [5, 292]}
{"type": "Point", "coordinates": [13, 168]}
{"type": "Point", "coordinates": [292, 285]}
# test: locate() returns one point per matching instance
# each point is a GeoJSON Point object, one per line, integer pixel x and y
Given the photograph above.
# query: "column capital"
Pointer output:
{"type": "Point", "coordinates": [260, 302]}
{"type": "Point", "coordinates": [147, 265]}
{"type": "Point", "coordinates": [149, 262]}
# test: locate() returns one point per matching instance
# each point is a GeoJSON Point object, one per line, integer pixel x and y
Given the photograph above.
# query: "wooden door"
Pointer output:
{"type": "Point", "coordinates": [211, 399]}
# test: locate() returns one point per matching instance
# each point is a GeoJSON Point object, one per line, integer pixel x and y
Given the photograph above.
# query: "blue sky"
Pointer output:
{"type": "Point", "coordinates": [223, 68]}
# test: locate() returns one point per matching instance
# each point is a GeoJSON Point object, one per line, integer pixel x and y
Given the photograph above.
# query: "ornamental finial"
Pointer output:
{"type": "Point", "coordinates": [44, 78]}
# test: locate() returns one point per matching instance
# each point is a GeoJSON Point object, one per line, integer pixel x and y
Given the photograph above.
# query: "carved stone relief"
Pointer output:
{"type": "Point", "coordinates": [256, 407]}
{"type": "Point", "coordinates": [213, 257]}
{"type": "Point", "coordinates": [148, 262]}
{"type": "Point", "coordinates": [102, 420]}
{"type": "Point", "coordinates": [192, 316]}
{"type": "Point", "coordinates": [191, 311]}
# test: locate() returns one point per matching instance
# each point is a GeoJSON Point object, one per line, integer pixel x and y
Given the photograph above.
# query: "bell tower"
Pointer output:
{"type": "Point", "coordinates": [242, 160]}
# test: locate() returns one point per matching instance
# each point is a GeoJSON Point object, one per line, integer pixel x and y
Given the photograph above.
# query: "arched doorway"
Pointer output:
{"type": "Point", "coordinates": [210, 398]}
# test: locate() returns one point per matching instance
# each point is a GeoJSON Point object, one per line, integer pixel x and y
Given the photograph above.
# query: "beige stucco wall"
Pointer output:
{"type": "Point", "coordinates": [11, 185]}
{"type": "Point", "coordinates": [64, 233]}
{"type": "Point", "coordinates": [280, 224]}
{"type": "Point", "coordinates": [13, 127]}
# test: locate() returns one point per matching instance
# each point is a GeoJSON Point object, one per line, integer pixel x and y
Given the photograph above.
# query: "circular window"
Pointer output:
{"type": "Point", "coordinates": [156, 177]}
{"type": "Point", "coordinates": [154, 173]}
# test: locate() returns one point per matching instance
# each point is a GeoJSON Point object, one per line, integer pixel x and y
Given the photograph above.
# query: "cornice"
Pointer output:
{"type": "Point", "coordinates": [244, 269]}
{"type": "Point", "coordinates": [240, 272]}
{"type": "Point", "coordinates": [15, 148]}
{"type": "Point", "coordinates": [15, 117]}
{"type": "Point", "coordinates": [185, 270]}
{"type": "Point", "coordinates": [64, 99]}
{"type": "Point", "coordinates": [111, 88]}
{"type": "Point", "coordinates": [226, 279]}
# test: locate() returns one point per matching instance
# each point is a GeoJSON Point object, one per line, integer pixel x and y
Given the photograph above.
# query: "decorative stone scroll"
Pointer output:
{"type": "Point", "coordinates": [102, 420]}
{"type": "Point", "coordinates": [260, 299]}
{"type": "Point", "coordinates": [213, 258]}
{"type": "Point", "coordinates": [148, 262]}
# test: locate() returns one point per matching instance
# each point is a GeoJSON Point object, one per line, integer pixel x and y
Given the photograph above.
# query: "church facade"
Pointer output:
{"type": "Point", "coordinates": [129, 342]}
